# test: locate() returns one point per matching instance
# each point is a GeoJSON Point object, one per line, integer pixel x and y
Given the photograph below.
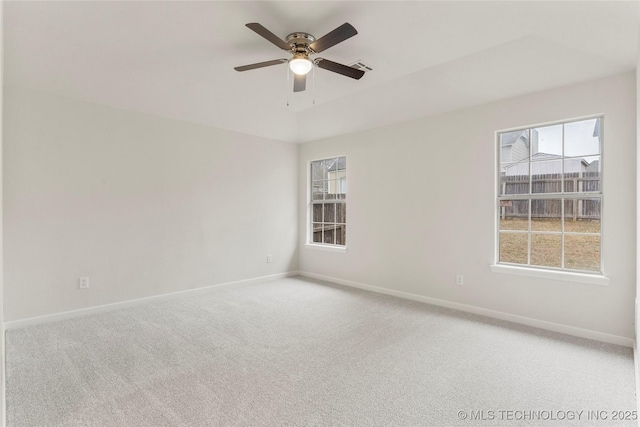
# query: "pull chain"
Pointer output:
{"type": "Point", "coordinates": [286, 89]}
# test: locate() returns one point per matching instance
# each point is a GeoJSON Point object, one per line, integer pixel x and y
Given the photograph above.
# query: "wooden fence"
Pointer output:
{"type": "Point", "coordinates": [551, 183]}
{"type": "Point", "coordinates": [329, 233]}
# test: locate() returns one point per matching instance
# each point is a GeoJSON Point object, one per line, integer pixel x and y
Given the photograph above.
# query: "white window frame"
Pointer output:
{"type": "Point", "coordinates": [310, 244]}
{"type": "Point", "coordinates": [563, 273]}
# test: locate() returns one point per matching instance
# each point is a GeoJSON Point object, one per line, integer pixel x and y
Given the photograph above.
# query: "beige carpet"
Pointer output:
{"type": "Point", "coordinates": [301, 352]}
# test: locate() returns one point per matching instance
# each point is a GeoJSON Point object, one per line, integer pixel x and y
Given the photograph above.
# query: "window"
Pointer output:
{"type": "Point", "coordinates": [328, 201]}
{"type": "Point", "coordinates": [549, 197]}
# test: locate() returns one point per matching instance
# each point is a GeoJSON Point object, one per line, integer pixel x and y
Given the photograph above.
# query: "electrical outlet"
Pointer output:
{"type": "Point", "coordinates": [83, 282]}
{"type": "Point", "coordinates": [459, 279]}
{"type": "Point", "coordinates": [268, 258]}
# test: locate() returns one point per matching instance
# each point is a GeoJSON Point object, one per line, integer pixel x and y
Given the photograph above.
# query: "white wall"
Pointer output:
{"type": "Point", "coordinates": [637, 318]}
{"type": "Point", "coordinates": [421, 208]}
{"type": "Point", "coordinates": [637, 336]}
{"type": "Point", "coordinates": [2, 384]}
{"type": "Point", "coordinates": [143, 205]}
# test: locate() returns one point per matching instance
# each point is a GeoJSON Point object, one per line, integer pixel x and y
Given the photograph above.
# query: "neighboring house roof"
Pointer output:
{"type": "Point", "coordinates": [545, 156]}
{"type": "Point", "coordinates": [549, 156]}
{"type": "Point", "coordinates": [552, 167]}
{"type": "Point", "coordinates": [509, 138]}
{"type": "Point", "coordinates": [597, 129]}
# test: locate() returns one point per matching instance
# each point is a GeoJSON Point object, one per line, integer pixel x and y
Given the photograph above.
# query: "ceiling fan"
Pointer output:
{"type": "Point", "coordinates": [301, 46]}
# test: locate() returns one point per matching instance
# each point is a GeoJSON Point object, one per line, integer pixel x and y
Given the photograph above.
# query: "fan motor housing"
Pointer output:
{"type": "Point", "coordinates": [300, 41]}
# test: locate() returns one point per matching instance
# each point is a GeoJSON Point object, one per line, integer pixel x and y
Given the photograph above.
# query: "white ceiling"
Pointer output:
{"type": "Point", "coordinates": [176, 59]}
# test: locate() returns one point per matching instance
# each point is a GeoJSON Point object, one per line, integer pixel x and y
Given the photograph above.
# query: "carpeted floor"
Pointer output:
{"type": "Point", "coordinates": [302, 352]}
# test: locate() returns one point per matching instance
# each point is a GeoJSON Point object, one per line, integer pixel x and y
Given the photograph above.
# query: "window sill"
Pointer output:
{"type": "Point", "coordinates": [327, 248]}
{"type": "Point", "coordinates": [564, 276]}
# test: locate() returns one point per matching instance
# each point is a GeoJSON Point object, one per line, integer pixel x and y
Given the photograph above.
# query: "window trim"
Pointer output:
{"type": "Point", "coordinates": [548, 273]}
{"type": "Point", "coordinates": [326, 247]}
{"type": "Point", "coordinates": [564, 274]}
{"type": "Point", "coordinates": [309, 243]}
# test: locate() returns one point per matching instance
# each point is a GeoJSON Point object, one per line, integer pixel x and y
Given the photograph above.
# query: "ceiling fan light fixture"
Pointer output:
{"type": "Point", "coordinates": [300, 65]}
{"type": "Point", "coordinates": [301, 45]}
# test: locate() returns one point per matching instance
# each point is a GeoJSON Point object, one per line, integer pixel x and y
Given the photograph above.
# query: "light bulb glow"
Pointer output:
{"type": "Point", "coordinates": [300, 66]}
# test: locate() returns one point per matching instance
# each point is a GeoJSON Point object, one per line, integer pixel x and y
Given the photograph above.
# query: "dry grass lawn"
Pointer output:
{"type": "Point", "coordinates": [581, 252]}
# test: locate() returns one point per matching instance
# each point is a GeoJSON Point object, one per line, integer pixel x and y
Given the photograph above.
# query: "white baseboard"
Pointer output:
{"type": "Point", "coordinates": [636, 362]}
{"type": "Point", "coordinates": [3, 388]}
{"type": "Point", "coordinates": [15, 324]}
{"type": "Point", "coordinates": [542, 324]}
{"type": "Point", "coordinates": [635, 365]}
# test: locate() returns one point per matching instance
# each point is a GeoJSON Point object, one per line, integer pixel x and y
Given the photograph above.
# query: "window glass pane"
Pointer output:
{"type": "Point", "coordinates": [341, 234]}
{"type": "Point", "coordinates": [514, 215]}
{"type": "Point", "coordinates": [332, 189]}
{"type": "Point", "coordinates": [318, 188]}
{"type": "Point", "coordinates": [318, 171]}
{"type": "Point", "coordinates": [546, 176]}
{"type": "Point", "coordinates": [341, 213]}
{"type": "Point", "coordinates": [571, 181]}
{"type": "Point", "coordinates": [582, 216]}
{"type": "Point", "coordinates": [582, 252]}
{"type": "Point", "coordinates": [546, 250]}
{"type": "Point", "coordinates": [582, 174]}
{"type": "Point", "coordinates": [328, 185]}
{"type": "Point", "coordinates": [546, 215]}
{"type": "Point", "coordinates": [593, 163]}
{"type": "Point", "coordinates": [582, 138]}
{"type": "Point", "coordinates": [513, 247]}
{"type": "Point", "coordinates": [546, 141]}
{"type": "Point", "coordinates": [330, 165]}
{"type": "Point", "coordinates": [342, 188]}
{"type": "Point", "coordinates": [328, 235]}
{"type": "Point", "coordinates": [317, 212]}
{"type": "Point", "coordinates": [329, 212]}
{"type": "Point", "coordinates": [514, 179]}
{"type": "Point", "coordinates": [514, 146]}
{"type": "Point", "coordinates": [317, 233]}
{"type": "Point", "coordinates": [337, 174]}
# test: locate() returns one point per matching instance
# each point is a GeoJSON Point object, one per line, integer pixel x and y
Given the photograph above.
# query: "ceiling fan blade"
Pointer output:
{"type": "Point", "coordinates": [336, 36]}
{"type": "Point", "coordinates": [258, 28]}
{"type": "Point", "coordinates": [260, 65]}
{"type": "Point", "coordinates": [339, 68]}
{"type": "Point", "coordinates": [299, 82]}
